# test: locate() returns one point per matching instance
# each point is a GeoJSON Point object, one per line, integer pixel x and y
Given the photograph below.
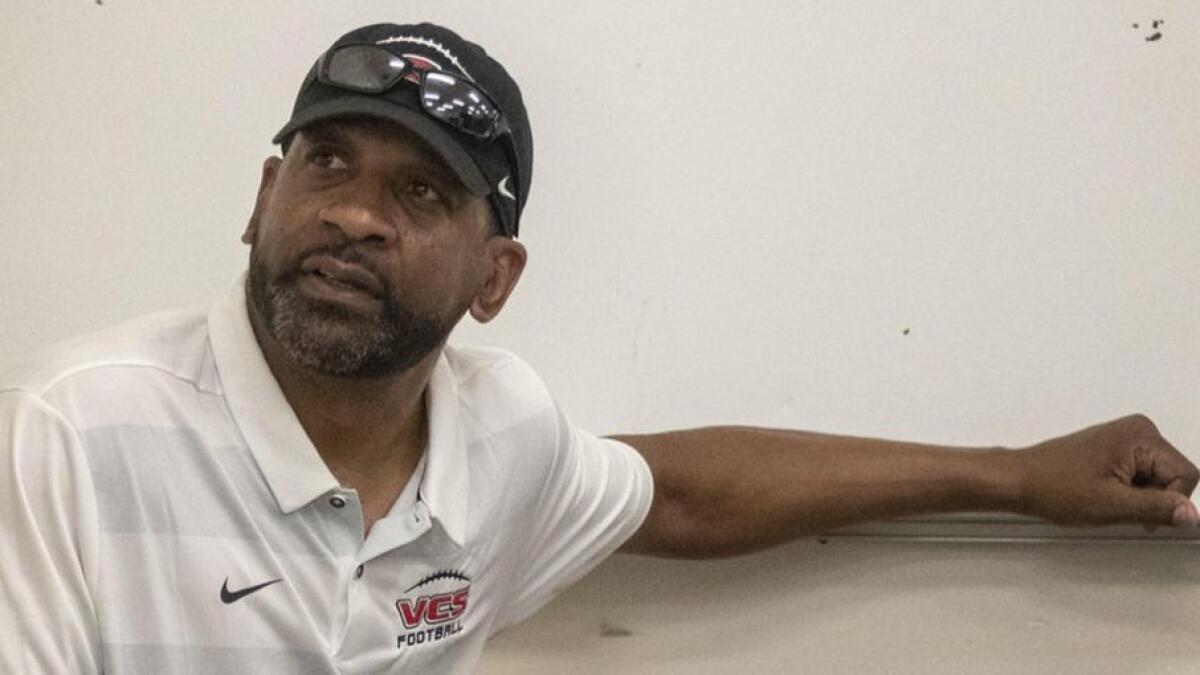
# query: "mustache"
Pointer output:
{"type": "Point", "coordinates": [350, 253]}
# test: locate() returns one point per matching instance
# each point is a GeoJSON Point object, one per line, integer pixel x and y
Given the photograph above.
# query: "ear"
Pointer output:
{"type": "Point", "coordinates": [270, 170]}
{"type": "Point", "coordinates": [507, 258]}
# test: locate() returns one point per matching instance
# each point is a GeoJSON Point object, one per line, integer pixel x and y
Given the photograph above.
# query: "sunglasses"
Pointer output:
{"type": "Point", "coordinates": [452, 99]}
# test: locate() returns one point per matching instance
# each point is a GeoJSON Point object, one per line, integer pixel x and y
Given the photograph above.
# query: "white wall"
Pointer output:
{"type": "Point", "coordinates": [968, 223]}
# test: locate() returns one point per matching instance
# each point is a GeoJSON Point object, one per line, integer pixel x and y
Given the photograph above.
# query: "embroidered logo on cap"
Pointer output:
{"type": "Point", "coordinates": [426, 42]}
{"type": "Point", "coordinates": [419, 62]}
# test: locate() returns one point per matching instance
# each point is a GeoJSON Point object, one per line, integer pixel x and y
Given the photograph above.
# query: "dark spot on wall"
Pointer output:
{"type": "Point", "coordinates": [906, 331]}
{"type": "Point", "coordinates": [1154, 25]}
{"type": "Point", "coordinates": [608, 630]}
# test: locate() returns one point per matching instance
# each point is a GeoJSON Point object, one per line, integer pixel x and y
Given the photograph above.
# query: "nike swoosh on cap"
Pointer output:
{"type": "Point", "coordinates": [229, 597]}
{"type": "Point", "coordinates": [502, 188]}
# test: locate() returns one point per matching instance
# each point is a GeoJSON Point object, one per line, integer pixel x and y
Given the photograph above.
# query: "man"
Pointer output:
{"type": "Point", "coordinates": [306, 479]}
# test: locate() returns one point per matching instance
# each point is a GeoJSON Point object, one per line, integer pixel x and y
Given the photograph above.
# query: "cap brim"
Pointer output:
{"type": "Point", "coordinates": [428, 129]}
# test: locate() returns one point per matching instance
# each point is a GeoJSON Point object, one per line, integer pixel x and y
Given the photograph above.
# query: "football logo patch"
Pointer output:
{"type": "Point", "coordinates": [419, 62]}
{"type": "Point", "coordinates": [432, 609]}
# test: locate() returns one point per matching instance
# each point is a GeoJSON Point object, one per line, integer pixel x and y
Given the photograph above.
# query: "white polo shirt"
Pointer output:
{"type": "Point", "coordinates": [163, 511]}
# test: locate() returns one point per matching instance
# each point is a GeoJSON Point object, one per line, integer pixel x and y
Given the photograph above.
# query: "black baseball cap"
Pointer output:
{"type": "Point", "coordinates": [485, 167]}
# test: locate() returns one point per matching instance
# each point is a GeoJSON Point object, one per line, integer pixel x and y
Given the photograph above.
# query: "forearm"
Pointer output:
{"type": "Point", "coordinates": [729, 490]}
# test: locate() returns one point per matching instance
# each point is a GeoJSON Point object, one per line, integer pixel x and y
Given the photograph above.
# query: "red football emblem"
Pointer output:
{"type": "Point", "coordinates": [419, 62]}
{"type": "Point", "coordinates": [432, 609]}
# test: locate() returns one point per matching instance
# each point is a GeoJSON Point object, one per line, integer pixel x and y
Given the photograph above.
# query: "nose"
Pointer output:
{"type": "Point", "coordinates": [363, 211]}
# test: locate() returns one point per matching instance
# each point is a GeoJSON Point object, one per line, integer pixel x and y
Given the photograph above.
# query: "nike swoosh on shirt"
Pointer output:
{"type": "Point", "coordinates": [229, 597]}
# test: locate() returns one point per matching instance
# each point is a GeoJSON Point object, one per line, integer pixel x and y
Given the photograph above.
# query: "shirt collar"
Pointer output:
{"type": "Point", "coordinates": [445, 486]}
{"type": "Point", "coordinates": [289, 461]}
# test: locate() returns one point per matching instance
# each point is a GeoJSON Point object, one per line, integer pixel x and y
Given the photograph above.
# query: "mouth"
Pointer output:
{"type": "Point", "coordinates": [335, 279]}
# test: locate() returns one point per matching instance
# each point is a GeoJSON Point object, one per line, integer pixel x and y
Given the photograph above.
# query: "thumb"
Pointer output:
{"type": "Point", "coordinates": [1155, 506]}
{"type": "Point", "coordinates": [1185, 514]}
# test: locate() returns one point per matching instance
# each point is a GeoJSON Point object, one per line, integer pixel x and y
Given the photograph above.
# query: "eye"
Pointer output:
{"type": "Point", "coordinates": [326, 158]}
{"type": "Point", "coordinates": [422, 191]}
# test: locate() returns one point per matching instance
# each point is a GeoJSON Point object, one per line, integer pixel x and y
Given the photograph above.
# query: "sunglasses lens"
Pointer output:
{"type": "Point", "coordinates": [459, 103]}
{"type": "Point", "coordinates": [365, 68]}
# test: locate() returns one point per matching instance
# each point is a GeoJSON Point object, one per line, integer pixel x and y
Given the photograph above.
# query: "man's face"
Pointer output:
{"type": "Point", "coordinates": [365, 250]}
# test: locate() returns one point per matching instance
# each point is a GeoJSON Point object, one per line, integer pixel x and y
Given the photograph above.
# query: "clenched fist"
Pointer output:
{"type": "Point", "coordinates": [1121, 471]}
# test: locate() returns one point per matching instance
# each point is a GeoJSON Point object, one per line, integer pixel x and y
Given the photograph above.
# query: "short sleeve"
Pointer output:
{"type": "Point", "coordinates": [595, 497]}
{"type": "Point", "coordinates": [48, 520]}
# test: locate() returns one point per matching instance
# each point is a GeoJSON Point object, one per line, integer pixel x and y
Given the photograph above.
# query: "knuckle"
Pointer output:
{"type": "Point", "coordinates": [1142, 427]}
{"type": "Point", "coordinates": [1140, 421]}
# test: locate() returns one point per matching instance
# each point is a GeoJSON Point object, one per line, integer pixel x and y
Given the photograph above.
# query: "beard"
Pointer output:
{"type": "Point", "coordinates": [332, 340]}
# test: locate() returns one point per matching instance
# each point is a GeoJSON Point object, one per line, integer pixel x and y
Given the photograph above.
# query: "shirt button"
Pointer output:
{"type": "Point", "coordinates": [358, 572]}
{"type": "Point", "coordinates": [337, 502]}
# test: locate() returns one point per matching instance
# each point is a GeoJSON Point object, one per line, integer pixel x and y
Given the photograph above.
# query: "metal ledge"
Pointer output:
{"type": "Point", "coordinates": [1003, 527]}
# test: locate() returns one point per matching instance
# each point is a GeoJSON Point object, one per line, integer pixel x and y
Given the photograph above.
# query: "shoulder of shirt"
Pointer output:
{"type": "Point", "coordinates": [497, 388]}
{"type": "Point", "coordinates": [172, 341]}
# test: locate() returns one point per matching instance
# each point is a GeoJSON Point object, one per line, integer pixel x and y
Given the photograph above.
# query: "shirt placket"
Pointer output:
{"type": "Point", "coordinates": [367, 620]}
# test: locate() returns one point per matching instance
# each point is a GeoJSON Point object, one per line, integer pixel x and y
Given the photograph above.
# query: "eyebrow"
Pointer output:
{"type": "Point", "coordinates": [425, 160]}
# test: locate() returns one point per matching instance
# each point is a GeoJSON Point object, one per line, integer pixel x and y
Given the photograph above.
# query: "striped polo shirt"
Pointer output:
{"type": "Point", "coordinates": [163, 511]}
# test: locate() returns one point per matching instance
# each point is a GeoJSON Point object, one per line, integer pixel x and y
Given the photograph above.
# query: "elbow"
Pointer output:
{"type": "Point", "coordinates": [684, 528]}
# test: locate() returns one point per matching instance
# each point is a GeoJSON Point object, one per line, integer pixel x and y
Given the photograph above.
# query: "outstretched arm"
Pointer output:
{"type": "Point", "coordinates": [727, 490]}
